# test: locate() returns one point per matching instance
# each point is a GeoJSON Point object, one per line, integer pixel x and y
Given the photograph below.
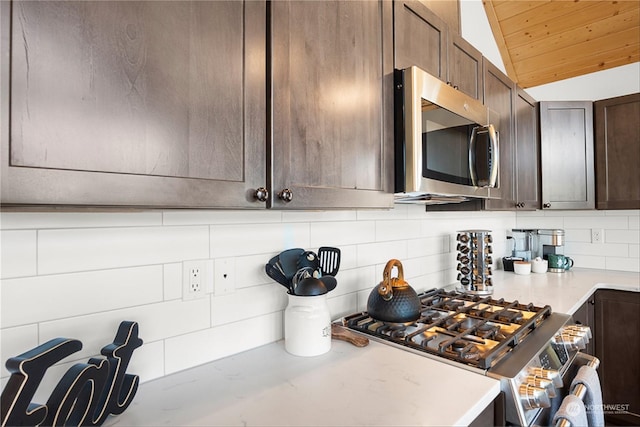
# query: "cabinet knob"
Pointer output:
{"type": "Point", "coordinates": [262, 194]}
{"type": "Point", "coordinates": [546, 205]}
{"type": "Point", "coordinates": [286, 195]}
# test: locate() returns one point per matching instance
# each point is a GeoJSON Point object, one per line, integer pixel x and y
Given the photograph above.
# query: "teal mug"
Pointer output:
{"type": "Point", "coordinates": [559, 263]}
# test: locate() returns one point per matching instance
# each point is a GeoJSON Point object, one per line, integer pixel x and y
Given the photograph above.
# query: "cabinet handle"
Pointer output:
{"type": "Point", "coordinates": [520, 205]}
{"type": "Point", "coordinates": [262, 194]}
{"type": "Point", "coordinates": [546, 205]}
{"type": "Point", "coordinates": [286, 195]}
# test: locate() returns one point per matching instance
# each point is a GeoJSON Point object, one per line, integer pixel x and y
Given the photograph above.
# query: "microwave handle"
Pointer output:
{"type": "Point", "coordinates": [494, 160]}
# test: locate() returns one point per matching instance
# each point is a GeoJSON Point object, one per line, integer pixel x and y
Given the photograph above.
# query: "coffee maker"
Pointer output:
{"type": "Point", "coordinates": [524, 243]}
{"type": "Point", "coordinates": [532, 243]}
{"type": "Point", "coordinates": [549, 241]}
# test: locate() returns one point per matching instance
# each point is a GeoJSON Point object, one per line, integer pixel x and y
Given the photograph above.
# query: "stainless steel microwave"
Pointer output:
{"type": "Point", "coordinates": [445, 147]}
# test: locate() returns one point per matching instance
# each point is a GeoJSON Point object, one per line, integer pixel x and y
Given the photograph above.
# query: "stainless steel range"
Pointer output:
{"type": "Point", "coordinates": [532, 351]}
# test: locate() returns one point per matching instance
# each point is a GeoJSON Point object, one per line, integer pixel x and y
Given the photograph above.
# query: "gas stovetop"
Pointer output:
{"type": "Point", "coordinates": [474, 330]}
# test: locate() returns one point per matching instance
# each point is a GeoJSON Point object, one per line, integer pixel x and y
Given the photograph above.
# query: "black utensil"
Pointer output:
{"type": "Point", "coordinates": [275, 261]}
{"type": "Point", "coordinates": [330, 282]}
{"type": "Point", "coordinates": [329, 259]}
{"type": "Point", "coordinates": [277, 275]}
{"type": "Point", "coordinates": [311, 286]}
{"type": "Point", "coordinates": [309, 259]}
{"type": "Point", "coordinates": [289, 261]}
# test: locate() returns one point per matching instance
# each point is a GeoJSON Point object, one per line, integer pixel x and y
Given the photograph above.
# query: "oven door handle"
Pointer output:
{"type": "Point", "coordinates": [580, 391]}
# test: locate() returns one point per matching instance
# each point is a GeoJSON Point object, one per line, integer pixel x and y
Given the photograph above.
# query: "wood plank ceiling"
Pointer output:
{"type": "Point", "coordinates": [543, 41]}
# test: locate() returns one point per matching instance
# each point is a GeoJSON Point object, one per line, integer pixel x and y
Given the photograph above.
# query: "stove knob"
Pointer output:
{"type": "Point", "coordinates": [533, 397]}
{"type": "Point", "coordinates": [542, 383]}
{"type": "Point", "coordinates": [547, 374]}
{"type": "Point", "coordinates": [571, 341]}
{"type": "Point", "coordinates": [581, 330]}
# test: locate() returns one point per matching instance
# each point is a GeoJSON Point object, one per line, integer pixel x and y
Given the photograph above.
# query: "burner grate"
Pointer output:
{"type": "Point", "coordinates": [471, 329]}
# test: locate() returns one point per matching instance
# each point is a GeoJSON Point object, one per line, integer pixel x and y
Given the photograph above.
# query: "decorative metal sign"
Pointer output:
{"type": "Point", "coordinates": [85, 395]}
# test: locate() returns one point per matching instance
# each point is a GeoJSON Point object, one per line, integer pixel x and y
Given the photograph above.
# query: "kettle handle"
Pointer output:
{"type": "Point", "coordinates": [388, 283]}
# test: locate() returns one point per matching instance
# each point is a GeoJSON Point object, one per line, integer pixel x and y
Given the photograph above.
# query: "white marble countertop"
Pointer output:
{"type": "Point", "coordinates": [564, 292]}
{"type": "Point", "coordinates": [349, 386]}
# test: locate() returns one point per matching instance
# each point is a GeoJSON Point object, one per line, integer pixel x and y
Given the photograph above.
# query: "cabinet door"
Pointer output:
{"type": "Point", "coordinates": [566, 140]}
{"type": "Point", "coordinates": [617, 152]}
{"type": "Point", "coordinates": [617, 345]}
{"type": "Point", "coordinates": [465, 66]}
{"type": "Point", "coordinates": [527, 154]}
{"type": "Point", "coordinates": [499, 98]}
{"type": "Point", "coordinates": [420, 38]}
{"type": "Point", "coordinates": [585, 316]}
{"type": "Point", "coordinates": [133, 103]}
{"type": "Point", "coordinates": [332, 117]}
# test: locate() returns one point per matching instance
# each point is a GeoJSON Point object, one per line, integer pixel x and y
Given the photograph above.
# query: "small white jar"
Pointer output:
{"type": "Point", "coordinates": [307, 325]}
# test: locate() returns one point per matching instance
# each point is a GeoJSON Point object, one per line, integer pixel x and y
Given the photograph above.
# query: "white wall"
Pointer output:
{"type": "Point", "coordinates": [476, 30]}
{"type": "Point", "coordinates": [605, 84]}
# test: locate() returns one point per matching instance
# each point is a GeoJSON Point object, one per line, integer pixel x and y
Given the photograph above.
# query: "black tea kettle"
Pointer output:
{"type": "Point", "coordinates": [393, 300]}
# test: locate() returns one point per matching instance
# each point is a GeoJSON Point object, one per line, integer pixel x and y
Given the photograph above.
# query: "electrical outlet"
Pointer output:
{"type": "Point", "coordinates": [224, 276]}
{"type": "Point", "coordinates": [194, 279]}
{"type": "Point", "coordinates": [597, 235]}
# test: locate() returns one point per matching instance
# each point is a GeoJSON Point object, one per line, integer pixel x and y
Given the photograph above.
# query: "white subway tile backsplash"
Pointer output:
{"type": "Point", "coordinates": [597, 221]}
{"type": "Point", "coordinates": [604, 249]}
{"type": "Point", "coordinates": [578, 235]}
{"type": "Point", "coordinates": [18, 253]}
{"type": "Point", "coordinates": [314, 216]}
{"type": "Point", "coordinates": [428, 245]}
{"type": "Point", "coordinates": [342, 233]}
{"type": "Point", "coordinates": [249, 239]}
{"type": "Point", "coordinates": [147, 361]}
{"type": "Point", "coordinates": [43, 298]}
{"type": "Point", "coordinates": [400, 212]}
{"type": "Point", "coordinates": [15, 341]}
{"type": "Point", "coordinates": [588, 261]}
{"type": "Point", "coordinates": [248, 302]}
{"type": "Point", "coordinates": [79, 274]}
{"type": "Point", "coordinates": [623, 264]}
{"type": "Point", "coordinates": [545, 222]}
{"type": "Point", "coordinates": [250, 270]}
{"type": "Point", "coordinates": [355, 279]}
{"type": "Point", "coordinates": [397, 230]}
{"type": "Point", "coordinates": [155, 322]}
{"type": "Point", "coordinates": [199, 217]}
{"type": "Point", "coordinates": [342, 305]}
{"type": "Point", "coordinates": [172, 281]}
{"type": "Point", "coordinates": [194, 349]}
{"type": "Point", "coordinates": [62, 251]}
{"type": "Point", "coordinates": [376, 253]}
{"type": "Point", "coordinates": [44, 220]}
{"type": "Point", "coordinates": [622, 236]}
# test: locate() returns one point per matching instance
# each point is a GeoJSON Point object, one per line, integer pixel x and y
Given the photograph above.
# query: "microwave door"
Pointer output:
{"type": "Point", "coordinates": [483, 156]}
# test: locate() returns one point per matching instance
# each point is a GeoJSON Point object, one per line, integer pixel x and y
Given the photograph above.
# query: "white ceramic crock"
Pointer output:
{"type": "Point", "coordinates": [307, 325]}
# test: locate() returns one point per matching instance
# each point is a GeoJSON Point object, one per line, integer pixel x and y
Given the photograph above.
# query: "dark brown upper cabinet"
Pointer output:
{"type": "Point", "coordinates": [140, 103]}
{"type": "Point", "coordinates": [566, 155]}
{"type": "Point", "coordinates": [499, 96]}
{"type": "Point", "coordinates": [425, 40]}
{"type": "Point", "coordinates": [332, 104]}
{"type": "Point", "coordinates": [617, 151]}
{"type": "Point", "coordinates": [527, 153]}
